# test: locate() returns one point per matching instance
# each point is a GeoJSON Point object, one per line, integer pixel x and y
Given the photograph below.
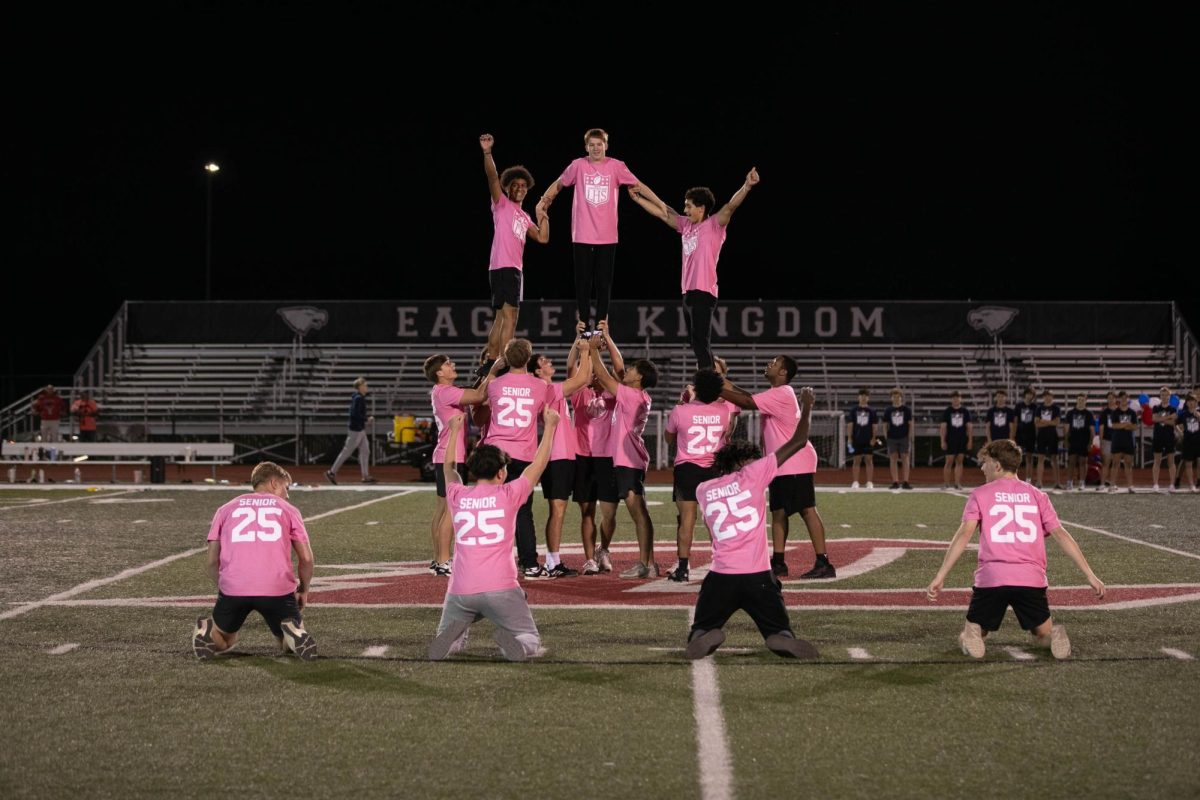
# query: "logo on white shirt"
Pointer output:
{"type": "Point", "coordinates": [595, 189]}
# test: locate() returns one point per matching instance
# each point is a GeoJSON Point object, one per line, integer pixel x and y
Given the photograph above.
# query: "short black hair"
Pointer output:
{"type": "Point", "coordinates": [708, 385]}
{"type": "Point", "coordinates": [789, 367]}
{"type": "Point", "coordinates": [648, 371]}
{"type": "Point", "coordinates": [702, 196]}
{"type": "Point", "coordinates": [733, 455]}
{"type": "Point", "coordinates": [487, 461]}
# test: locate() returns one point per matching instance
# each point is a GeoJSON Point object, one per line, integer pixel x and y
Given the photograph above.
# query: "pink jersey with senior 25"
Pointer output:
{"type": "Point", "coordinates": [628, 423]}
{"type": "Point", "coordinates": [516, 400]}
{"type": "Point", "coordinates": [509, 224]}
{"type": "Point", "coordinates": [1014, 520]}
{"type": "Point", "coordinates": [594, 206]}
{"type": "Point", "coordinates": [593, 422]}
{"type": "Point", "coordinates": [699, 429]}
{"type": "Point", "coordinates": [256, 532]}
{"type": "Point", "coordinates": [781, 413]}
{"type": "Point", "coordinates": [734, 509]}
{"type": "Point", "coordinates": [701, 250]}
{"type": "Point", "coordinates": [484, 517]}
{"type": "Point", "coordinates": [446, 403]}
{"type": "Point", "coordinates": [563, 446]}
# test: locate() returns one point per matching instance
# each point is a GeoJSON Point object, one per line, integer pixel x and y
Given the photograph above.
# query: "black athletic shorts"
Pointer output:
{"type": "Point", "coordinates": [628, 479]}
{"type": "Point", "coordinates": [988, 606]}
{"type": "Point", "coordinates": [793, 493]}
{"type": "Point", "coordinates": [1047, 442]}
{"type": "Point", "coordinates": [956, 446]}
{"type": "Point", "coordinates": [506, 286]}
{"type": "Point", "coordinates": [230, 612]}
{"type": "Point", "coordinates": [558, 479]}
{"type": "Point", "coordinates": [862, 447]}
{"type": "Point", "coordinates": [1079, 445]}
{"type": "Point", "coordinates": [1191, 449]}
{"type": "Point", "coordinates": [1164, 442]}
{"type": "Point", "coordinates": [1027, 439]}
{"type": "Point", "coordinates": [585, 480]}
{"type": "Point", "coordinates": [606, 480]}
{"type": "Point", "coordinates": [1123, 447]}
{"type": "Point", "coordinates": [756, 593]}
{"type": "Point", "coordinates": [687, 478]}
{"type": "Point", "coordinates": [440, 477]}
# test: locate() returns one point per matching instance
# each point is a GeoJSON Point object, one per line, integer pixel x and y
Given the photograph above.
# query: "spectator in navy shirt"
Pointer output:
{"type": "Point", "coordinates": [1163, 444]}
{"type": "Point", "coordinates": [1026, 432]}
{"type": "Point", "coordinates": [897, 427]}
{"type": "Point", "coordinates": [1000, 418]}
{"type": "Point", "coordinates": [1106, 434]}
{"type": "Point", "coordinates": [356, 438]}
{"type": "Point", "coordinates": [1125, 422]}
{"type": "Point", "coordinates": [1080, 427]}
{"type": "Point", "coordinates": [956, 439]}
{"type": "Point", "coordinates": [1188, 422]}
{"type": "Point", "coordinates": [860, 433]}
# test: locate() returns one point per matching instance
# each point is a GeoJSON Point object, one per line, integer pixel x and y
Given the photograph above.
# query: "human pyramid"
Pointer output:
{"type": "Point", "coordinates": [593, 453]}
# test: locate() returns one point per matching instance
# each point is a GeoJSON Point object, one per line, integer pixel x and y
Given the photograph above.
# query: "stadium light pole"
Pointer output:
{"type": "Point", "coordinates": [211, 168]}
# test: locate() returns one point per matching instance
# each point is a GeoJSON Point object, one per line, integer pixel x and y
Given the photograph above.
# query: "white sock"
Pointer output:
{"type": "Point", "coordinates": [551, 560]}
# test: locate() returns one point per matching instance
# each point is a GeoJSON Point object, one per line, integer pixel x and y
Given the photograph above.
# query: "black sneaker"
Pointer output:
{"type": "Point", "coordinates": [535, 573]}
{"type": "Point", "coordinates": [370, 479]}
{"type": "Point", "coordinates": [442, 570]}
{"type": "Point", "coordinates": [907, 485]}
{"type": "Point", "coordinates": [895, 485]}
{"type": "Point", "coordinates": [433, 564]}
{"type": "Point", "coordinates": [298, 640]}
{"type": "Point", "coordinates": [679, 575]}
{"type": "Point", "coordinates": [331, 477]}
{"type": "Point", "coordinates": [561, 570]}
{"type": "Point", "coordinates": [786, 646]}
{"type": "Point", "coordinates": [483, 369]}
{"type": "Point", "coordinates": [779, 568]}
{"type": "Point", "coordinates": [202, 642]}
{"type": "Point", "coordinates": [821, 569]}
{"type": "Point", "coordinates": [704, 644]}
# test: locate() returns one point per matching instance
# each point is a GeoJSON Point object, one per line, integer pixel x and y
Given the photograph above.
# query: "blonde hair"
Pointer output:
{"type": "Point", "coordinates": [267, 470]}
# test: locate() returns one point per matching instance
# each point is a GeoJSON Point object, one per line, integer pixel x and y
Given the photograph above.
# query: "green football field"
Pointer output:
{"type": "Point", "coordinates": [99, 592]}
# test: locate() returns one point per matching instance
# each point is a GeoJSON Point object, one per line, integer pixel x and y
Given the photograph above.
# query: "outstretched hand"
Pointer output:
{"type": "Point", "coordinates": [752, 176]}
{"type": "Point", "coordinates": [807, 397]}
{"type": "Point", "coordinates": [487, 142]}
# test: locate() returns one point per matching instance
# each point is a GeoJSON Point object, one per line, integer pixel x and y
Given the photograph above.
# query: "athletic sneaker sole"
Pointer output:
{"type": "Point", "coordinates": [705, 644]}
{"type": "Point", "coordinates": [440, 647]}
{"type": "Point", "coordinates": [299, 641]}
{"type": "Point", "coordinates": [971, 640]}
{"type": "Point", "coordinates": [1060, 645]}
{"type": "Point", "coordinates": [202, 643]}
{"type": "Point", "coordinates": [791, 647]}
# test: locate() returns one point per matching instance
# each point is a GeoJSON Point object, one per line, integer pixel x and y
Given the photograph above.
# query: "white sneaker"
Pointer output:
{"type": "Point", "coordinates": [590, 567]}
{"type": "Point", "coordinates": [971, 640]}
{"type": "Point", "coordinates": [854, 485]}
{"type": "Point", "coordinates": [1070, 485]}
{"type": "Point", "coordinates": [1060, 645]}
{"type": "Point", "coordinates": [870, 485]}
{"type": "Point", "coordinates": [639, 570]}
{"type": "Point", "coordinates": [603, 559]}
{"type": "Point", "coordinates": [1156, 487]}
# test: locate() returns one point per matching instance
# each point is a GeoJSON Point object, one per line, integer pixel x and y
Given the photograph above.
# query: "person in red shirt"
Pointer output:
{"type": "Point", "coordinates": [49, 406]}
{"type": "Point", "coordinates": [85, 408]}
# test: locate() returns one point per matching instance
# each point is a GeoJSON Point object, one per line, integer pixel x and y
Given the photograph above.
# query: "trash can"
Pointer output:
{"type": "Point", "coordinates": [158, 469]}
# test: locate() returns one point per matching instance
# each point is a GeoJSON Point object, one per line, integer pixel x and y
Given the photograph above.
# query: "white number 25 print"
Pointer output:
{"type": "Point", "coordinates": [749, 516]}
{"type": "Point", "coordinates": [1003, 530]}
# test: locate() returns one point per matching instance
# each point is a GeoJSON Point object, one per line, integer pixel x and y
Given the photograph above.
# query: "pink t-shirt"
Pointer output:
{"type": "Point", "coordinates": [509, 224]}
{"type": "Point", "coordinates": [628, 422]}
{"type": "Point", "coordinates": [445, 405]}
{"type": "Point", "coordinates": [256, 532]}
{"type": "Point", "coordinates": [563, 446]}
{"type": "Point", "coordinates": [593, 422]}
{"type": "Point", "coordinates": [594, 207]}
{"type": "Point", "coordinates": [516, 400]}
{"type": "Point", "coordinates": [734, 509]}
{"type": "Point", "coordinates": [1014, 520]}
{"type": "Point", "coordinates": [484, 517]}
{"type": "Point", "coordinates": [780, 414]}
{"type": "Point", "coordinates": [699, 429]}
{"type": "Point", "coordinates": [701, 251]}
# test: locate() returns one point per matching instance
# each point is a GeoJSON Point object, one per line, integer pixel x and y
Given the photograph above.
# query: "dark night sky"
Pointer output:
{"type": "Point", "coordinates": [999, 153]}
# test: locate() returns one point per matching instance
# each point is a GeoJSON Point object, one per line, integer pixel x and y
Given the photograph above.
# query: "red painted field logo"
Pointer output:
{"type": "Point", "coordinates": [410, 583]}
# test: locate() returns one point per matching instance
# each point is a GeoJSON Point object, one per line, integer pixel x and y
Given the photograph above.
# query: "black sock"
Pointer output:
{"type": "Point", "coordinates": [822, 558]}
{"type": "Point", "coordinates": [777, 557]}
{"type": "Point", "coordinates": [683, 563]}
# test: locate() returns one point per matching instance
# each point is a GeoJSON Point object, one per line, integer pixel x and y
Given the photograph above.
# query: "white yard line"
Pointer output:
{"type": "Point", "coordinates": [712, 756]}
{"type": "Point", "coordinates": [859, 654]}
{"type": "Point", "coordinates": [1182, 656]}
{"type": "Point", "coordinates": [376, 651]}
{"type": "Point", "coordinates": [1131, 539]}
{"type": "Point", "coordinates": [63, 649]}
{"type": "Point", "coordinates": [89, 496]}
{"type": "Point", "coordinates": [1019, 655]}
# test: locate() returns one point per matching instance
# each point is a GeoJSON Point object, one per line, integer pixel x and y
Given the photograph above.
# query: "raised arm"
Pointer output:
{"type": "Point", "coordinates": [663, 212]}
{"type": "Point", "coordinates": [449, 467]}
{"type": "Point", "coordinates": [740, 195]}
{"type": "Point", "coordinates": [614, 352]}
{"type": "Point", "coordinates": [644, 191]}
{"type": "Point", "coordinates": [533, 473]}
{"type": "Point", "coordinates": [602, 374]}
{"type": "Point", "coordinates": [489, 167]}
{"type": "Point", "coordinates": [1069, 546]}
{"type": "Point", "coordinates": [580, 376]}
{"type": "Point", "coordinates": [800, 435]}
{"type": "Point", "coordinates": [479, 393]}
{"type": "Point", "coordinates": [957, 545]}
{"type": "Point", "coordinates": [580, 342]}
{"type": "Point", "coordinates": [738, 396]}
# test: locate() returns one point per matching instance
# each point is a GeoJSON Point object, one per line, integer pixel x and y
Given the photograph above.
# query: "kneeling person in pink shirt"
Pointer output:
{"type": "Point", "coordinates": [250, 546]}
{"type": "Point", "coordinates": [734, 509]}
{"type": "Point", "coordinates": [484, 581]}
{"type": "Point", "coordinates": [1017, 518]}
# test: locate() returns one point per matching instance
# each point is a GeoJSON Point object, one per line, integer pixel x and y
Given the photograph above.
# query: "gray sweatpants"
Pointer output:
{"type": "Point", "coordinates": [506, 609]}
{"type": "Point", "coordinates": [354, 440]}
